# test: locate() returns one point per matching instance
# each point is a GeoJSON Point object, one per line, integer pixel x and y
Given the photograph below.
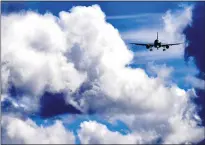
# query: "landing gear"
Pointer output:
{"type": "Point", "coordinates": [164, 49]}
{"type": "Point", "coordinates": [150, 49]}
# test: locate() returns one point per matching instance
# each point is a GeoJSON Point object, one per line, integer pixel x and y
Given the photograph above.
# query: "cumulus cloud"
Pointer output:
{"type": "Point", "coordinates": [180, 118]}
{"type": "Point", "coordinates": [18, 131]}
{"type": "Point", "coordinates": [86, 58]}
{"type": "Point", "coordinates": [181, 129]}
{"type": "Point", "coordinates": [32, 55]}
{"type": "Point", "coordinates": [92, 132]}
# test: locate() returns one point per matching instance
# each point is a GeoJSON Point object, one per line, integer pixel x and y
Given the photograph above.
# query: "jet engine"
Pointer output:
{"type": "Point", "coordinates": [167, 46]}
{"type": "Point", "coordinates": [147, 46]}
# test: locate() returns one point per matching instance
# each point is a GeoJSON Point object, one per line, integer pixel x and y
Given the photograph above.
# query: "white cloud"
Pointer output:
{"type": "Point", "coordinates": [162, 71]}
{"type": "Point", "coordinates": [18, 131]}
{"type": "Point", "coordinates": [91, 51]}
{"type": "Point", "coordinates": [195, 82]}
{"type": "Point", "coordinates": [92, 132]}
{"type": "Point", "coordinates": [178, 127]}
{"type": "Point", "coordinates": [170, 30]}
{"type": "Point", "coordinates": [181, 129]}
{"type": "Point", "coordinates": [35, 60]}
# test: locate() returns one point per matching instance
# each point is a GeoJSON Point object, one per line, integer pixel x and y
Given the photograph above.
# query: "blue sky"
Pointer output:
{"type": "Point", "coordinates": [109, 8]}
{"type": "Point", "coordinates": [125, 17]}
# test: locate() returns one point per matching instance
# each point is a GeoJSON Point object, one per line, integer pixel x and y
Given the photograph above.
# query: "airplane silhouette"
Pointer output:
{"type": "Point", "coordinates": [157, 44]}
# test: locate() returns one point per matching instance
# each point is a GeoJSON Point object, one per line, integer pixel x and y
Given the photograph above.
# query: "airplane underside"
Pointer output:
{"type": "Point", "coordinates": [151, 48]}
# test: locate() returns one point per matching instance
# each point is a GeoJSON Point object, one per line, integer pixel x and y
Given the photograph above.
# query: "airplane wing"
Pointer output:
{"type": "Point", "coordinates": [142, 44]}
{"type": "Point", "coordinates": [163, 45]}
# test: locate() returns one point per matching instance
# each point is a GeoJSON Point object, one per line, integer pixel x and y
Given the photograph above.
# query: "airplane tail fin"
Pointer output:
{"type": "Point", "coordinates": [157, 35]}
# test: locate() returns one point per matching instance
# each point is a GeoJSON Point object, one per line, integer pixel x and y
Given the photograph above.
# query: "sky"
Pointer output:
{"type": "Point", "coordinates": [70, 75]}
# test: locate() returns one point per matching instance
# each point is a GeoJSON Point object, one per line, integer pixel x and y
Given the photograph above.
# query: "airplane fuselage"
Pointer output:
{"type": "Point", "coordinates": [157, 43]}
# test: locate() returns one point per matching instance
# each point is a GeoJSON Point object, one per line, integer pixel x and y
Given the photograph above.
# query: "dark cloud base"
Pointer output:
{"type": "Point", "coordinates": [51, 104]}
{"type": "Point", "coordinates": [55, 104]}
{"type": "Point", "coordinates": [195, 35]}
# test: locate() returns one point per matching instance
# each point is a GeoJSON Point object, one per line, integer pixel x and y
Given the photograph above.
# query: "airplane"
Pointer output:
{"type": "Point", "coordinates": [157, 44]}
